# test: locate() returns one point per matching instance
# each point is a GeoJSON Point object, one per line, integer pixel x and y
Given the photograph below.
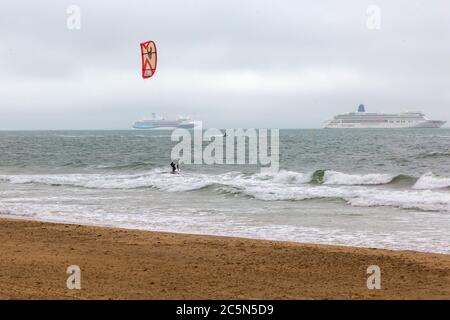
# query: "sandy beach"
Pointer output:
{"type": "Point", "coordinates": [129, 264]}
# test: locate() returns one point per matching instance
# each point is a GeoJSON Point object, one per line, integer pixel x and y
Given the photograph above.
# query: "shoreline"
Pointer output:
{"type": "Point", "coordinates": [101, 225]}
{"type": "Point", "coordinates": [119, 263]}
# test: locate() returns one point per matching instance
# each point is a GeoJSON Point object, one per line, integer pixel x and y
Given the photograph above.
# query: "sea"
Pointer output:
{"type": "Point", "coordinates": [367, 188]}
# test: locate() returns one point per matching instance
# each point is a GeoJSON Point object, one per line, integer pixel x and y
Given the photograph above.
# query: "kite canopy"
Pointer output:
{"type": "Point", "coordinates": [149, 58]}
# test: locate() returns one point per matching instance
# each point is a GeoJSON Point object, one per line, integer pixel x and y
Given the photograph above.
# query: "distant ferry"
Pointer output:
{"type": "Point", "coordinates": [158, 122]}
{"type": "Point", "coordinates": [363, 119]}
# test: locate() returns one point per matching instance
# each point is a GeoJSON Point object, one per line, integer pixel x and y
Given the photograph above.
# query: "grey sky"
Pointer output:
{"type": "Point", "coordinates": [233, 63]}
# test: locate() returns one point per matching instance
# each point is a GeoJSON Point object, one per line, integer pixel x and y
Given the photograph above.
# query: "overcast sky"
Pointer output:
{"type": "Point", "coordinates": [230, 63]}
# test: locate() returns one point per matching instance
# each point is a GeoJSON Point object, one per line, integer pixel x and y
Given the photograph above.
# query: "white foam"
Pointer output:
{"type": "Point", "coordinates": [430, 181]}
{"type": "Point", "coordinates": [356, 196]}
{"type": "Point", "coordinates": [339, 178]}
{"type": "Point", "coordinates": [155, 179]}
{"type": "Point", "coordinates": [195, 220]}
{"type": "Point", "coordinates": [357, 190]}
{"type": "Point", "coordinates": [284, 176]}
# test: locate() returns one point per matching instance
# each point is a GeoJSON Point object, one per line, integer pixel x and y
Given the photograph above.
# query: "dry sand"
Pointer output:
{"type": "Point", "coordinates": [129, 264]}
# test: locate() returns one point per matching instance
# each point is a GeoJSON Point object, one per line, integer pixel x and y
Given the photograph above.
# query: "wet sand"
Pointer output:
{"type": "Point", "coordinates": [129, 264]}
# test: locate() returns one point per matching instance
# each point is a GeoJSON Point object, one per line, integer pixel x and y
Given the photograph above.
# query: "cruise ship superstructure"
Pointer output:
{"type": "Point", "coordinates": [363, 119]}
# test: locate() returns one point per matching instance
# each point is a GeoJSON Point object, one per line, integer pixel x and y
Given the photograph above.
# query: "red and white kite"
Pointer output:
{"type": "Point", "coordinates": [149, 59]}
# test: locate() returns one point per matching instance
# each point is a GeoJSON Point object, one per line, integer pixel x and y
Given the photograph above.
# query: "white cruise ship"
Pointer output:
{"type": "Point", "coordinates": [158, 122]}
{"type": "Point", "coordinates": [363, 119]}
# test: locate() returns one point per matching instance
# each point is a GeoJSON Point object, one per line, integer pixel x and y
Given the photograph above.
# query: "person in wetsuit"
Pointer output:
{"type": "Point", "coordinates": [175, 166]}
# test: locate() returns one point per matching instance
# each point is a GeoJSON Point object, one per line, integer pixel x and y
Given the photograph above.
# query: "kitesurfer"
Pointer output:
{"type": "Point", "coordinates": [175, 166]}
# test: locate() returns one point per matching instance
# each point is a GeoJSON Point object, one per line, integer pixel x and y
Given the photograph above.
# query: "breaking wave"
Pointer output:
{"type": "Point", "coordinates": [431, 181]}
{"type": "Point", "coordinates": [334, 177]}
{"type": "Point", "coordinates": [357, 190]}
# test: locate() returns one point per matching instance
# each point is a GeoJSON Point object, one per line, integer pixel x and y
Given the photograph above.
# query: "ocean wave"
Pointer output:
{"type": "Point", "coordinates": [153, 179]}
{"type": "Point", "coordinates": [434, 154]}
{"type": "Point", "coordinates": [284, 176]}
{"type": "Point", "coordinates": [339, 178]}
{"type": "Point", "coordinates": [330, 177]}
{"type": "Point", "coordinates": [357, 196]}
{"type": "Point", "coordinates": [403, 180]}
{"type": "Point", "coordinates": [152, 135]}
{"type": "Point", "coordinates": [128, 166]}
{"type": "Point", "coordinates": [81, 136]}
{"type": "Point", "coordinates": [431, 181]}
{"type": "Point", "coordinates": [160, 177]}
{"type": "Point", "coordinates": [357, 190]}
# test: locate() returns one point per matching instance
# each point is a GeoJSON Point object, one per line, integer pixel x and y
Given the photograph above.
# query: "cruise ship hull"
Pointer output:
{"type": "Point", "coordinates": [162, 127]}
{"type": "Point", "coordinates": [163, 124]}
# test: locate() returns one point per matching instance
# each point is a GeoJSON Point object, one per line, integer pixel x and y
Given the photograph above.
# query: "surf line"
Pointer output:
{"type": "Point", "coordinates": [238, 146]}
